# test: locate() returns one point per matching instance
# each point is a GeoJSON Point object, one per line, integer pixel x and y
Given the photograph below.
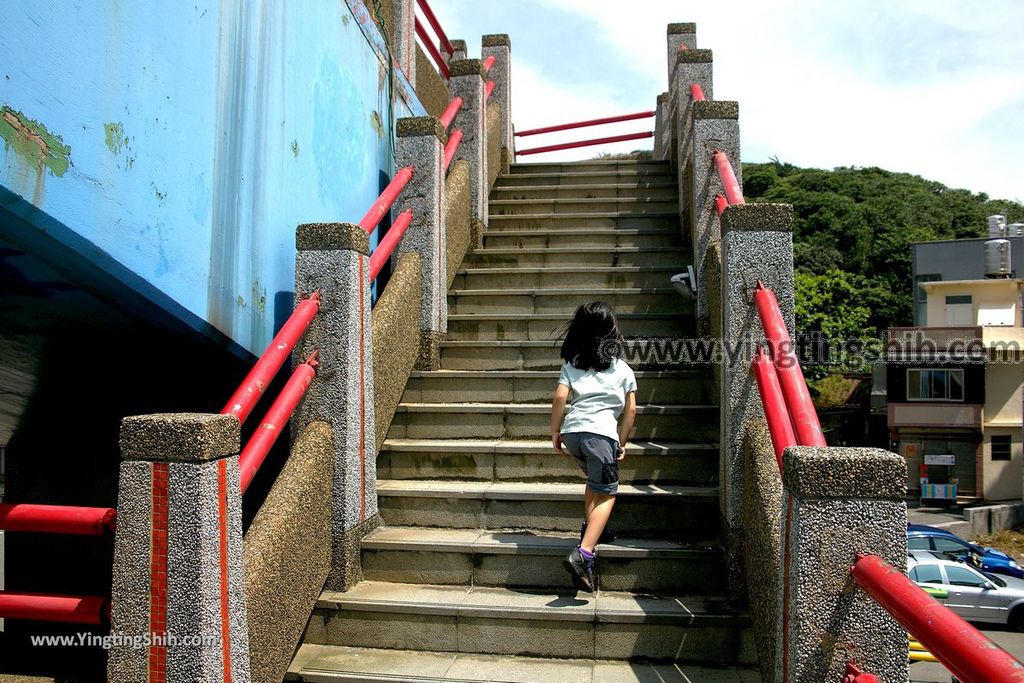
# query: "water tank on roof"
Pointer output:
{"type": "Point", "coordinates": [1015, 230]}
{"type": "Point", "coordinates": [997, 259]}
{"type": "Point", "coordinates": [996, 226]}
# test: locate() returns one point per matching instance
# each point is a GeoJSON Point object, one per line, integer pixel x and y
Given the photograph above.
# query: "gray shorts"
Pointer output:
{"type": "Point", "coordinates": [597, 455]}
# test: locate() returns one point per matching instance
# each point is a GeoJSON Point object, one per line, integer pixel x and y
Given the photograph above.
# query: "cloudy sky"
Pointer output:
{"type": "Point", "coordinates": [931, 87]}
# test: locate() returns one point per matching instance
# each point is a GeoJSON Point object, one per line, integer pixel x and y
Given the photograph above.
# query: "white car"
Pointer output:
{"type": "Point", "coordinates": [973, 594]}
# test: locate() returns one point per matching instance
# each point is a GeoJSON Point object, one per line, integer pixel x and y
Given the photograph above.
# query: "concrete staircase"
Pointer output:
{"type": "Point", "coordinates": [465, 582]}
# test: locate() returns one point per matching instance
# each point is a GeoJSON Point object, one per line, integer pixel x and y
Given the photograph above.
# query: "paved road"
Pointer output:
{"type": "Point", "coordinates": [928, 672]}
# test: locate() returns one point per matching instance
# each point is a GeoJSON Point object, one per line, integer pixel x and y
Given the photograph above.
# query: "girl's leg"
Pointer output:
{"type": "Point", "coordinates": [588, 503]}
{"type": "Point", "coordinates": [597, 518]}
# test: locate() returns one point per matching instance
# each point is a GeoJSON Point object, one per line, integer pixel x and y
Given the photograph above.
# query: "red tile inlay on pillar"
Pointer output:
{"type": "Point", "coordinates": [158, 576]}
{"type": "Point", "coordinates": [222, 524]}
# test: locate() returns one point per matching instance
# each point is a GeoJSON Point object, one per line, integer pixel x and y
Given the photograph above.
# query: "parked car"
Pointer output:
{"type": "Point", "coordinates": [973, 594]}
{"type": "Point", "coordinates": [923, 537]}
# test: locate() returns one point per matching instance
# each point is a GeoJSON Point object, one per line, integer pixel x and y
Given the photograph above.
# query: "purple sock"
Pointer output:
{"type": "Point", "coordinates": [586, 555]}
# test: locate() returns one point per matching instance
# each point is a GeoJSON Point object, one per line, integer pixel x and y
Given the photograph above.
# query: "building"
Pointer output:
{"type": "Point", "coordinates": [954, 379]}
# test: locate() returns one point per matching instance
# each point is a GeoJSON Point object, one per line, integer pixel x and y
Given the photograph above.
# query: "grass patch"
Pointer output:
{"type": "Point", "coordinates": [1010, 541]}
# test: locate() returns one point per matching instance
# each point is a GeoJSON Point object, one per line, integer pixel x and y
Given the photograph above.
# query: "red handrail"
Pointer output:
{"type": "Point", "coordinates": [791, 377]}
{"type": "Point", "coordinates": [255, 452]}
{"type": "Point", "coordinates": [488, 89]}
{"type": "Point", "coordinates": [489, 62]}
{"type": "Point", "coordinates": [961, 648]}
{"type": "Point", "coordinates": [383, 250]}
{"type": "Point", "coordinates": [584, 124]}
{"type": "Point", "coordinates": [585, 143]}
{"type": "Point", "coordinates": [386, 199]}
{"type": "Point", "coordinates": [69, 609]}
{"type": "Point", "coordinates": [733, 192]}
{"type": "Point", "coordinates": [450, 112]}
{"type": "Point", "coordinates": [451, 147]}
{"type": "Point", "coordinates": [435, 54]}
{"type": "Point", "coordinates": [721, 204]}
{"type": "Point", "coordinates": [775, 412]}
{"type": "Point", "coordinates": [432, 19]}
{"type": "Point", "coordinates": [256, 382]}
{"type": "Point", "coordinates": [697, 92]}
{"type": "Point", "coordinates": [57, 519]}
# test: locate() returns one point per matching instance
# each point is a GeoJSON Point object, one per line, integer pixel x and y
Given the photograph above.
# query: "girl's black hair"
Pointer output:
{"type": "Point", "coordinates": [593, 338]}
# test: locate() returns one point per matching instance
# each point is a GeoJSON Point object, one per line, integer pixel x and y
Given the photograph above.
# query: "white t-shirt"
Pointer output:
{"type": "Point", "coordinates": [596, 398]}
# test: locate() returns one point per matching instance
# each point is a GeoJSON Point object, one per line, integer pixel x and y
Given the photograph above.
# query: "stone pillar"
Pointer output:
{"type": "Point", "coordinates": [420, 145]}
{"type": "Point", "coordinates": [500, 47]}
{"type": "Point", "coordinates": [402, 37]}
{"type": "Point", "coordinates": [662, 128]}
{"type": "Point", "coordinates": [178, 581]}
{"type": "Point", "coordinates": [333, 258]}
{"type": "Point", "coordinates": [757, 245]}
{"type": "Point", "coordinates": [840, 502]}
{"type": "Point", "coordinates": [680, 37]}
{"type": "Point", "coordinates": [715, 126]}
{"type": "Point", "coordinates": [459, 47]}
{"type": "Point", "coordinates": [467, 82]}
{"type": "Point", "coordinates": [692, 66]}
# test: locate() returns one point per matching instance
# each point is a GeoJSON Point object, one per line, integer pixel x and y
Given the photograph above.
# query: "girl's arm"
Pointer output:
{"type": "Point", "coordinates": [557, 411]}
{"type": "Point", "coordinates": [626, 425]}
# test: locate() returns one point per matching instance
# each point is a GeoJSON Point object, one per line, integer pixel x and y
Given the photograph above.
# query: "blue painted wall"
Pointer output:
{"type": "Point", "coordinates": [195, 135]}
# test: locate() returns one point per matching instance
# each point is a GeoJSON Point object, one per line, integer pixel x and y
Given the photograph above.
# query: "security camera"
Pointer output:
{"type": "Point", "coordinates": [685, 283]}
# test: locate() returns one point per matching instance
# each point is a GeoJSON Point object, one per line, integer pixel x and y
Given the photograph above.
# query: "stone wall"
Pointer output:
{"type": "Point", "coordinates": [431, 90]}
{"type": "Point", "coordinates": [457, 216]}
{"type": "Point", "coordinates": [493, 123]}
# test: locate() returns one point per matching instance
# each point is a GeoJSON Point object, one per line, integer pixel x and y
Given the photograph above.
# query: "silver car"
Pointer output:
{"type": "Point", "coordinates": [973, 594]}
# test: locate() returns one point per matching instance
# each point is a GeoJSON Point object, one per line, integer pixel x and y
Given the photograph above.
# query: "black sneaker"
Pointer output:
{"type": "Point", "coordinates": [581, 570]}
{"type": "Point", "coordinates": [606, 535]}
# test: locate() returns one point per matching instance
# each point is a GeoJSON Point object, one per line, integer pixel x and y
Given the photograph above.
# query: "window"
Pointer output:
{"type": "Point", "coordinates": [918, 543]}
{"type": "Point", "coordinates": [961, 576]}
{"type": "Point", "coordinates": [949, 545]}
{"type": "Point", "coordinates": [926, 573]}
{"type": "Point", "coordinates": [1002, 447]}
{"type": "Point", "coordinates": [935, 385]}
{"type": "Point", "coordinates": [959, 310]}
{"type": "Point", "coordinates": [922, 296]}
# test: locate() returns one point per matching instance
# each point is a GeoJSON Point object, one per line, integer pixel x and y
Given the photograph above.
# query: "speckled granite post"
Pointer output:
{"type": "Point", "coordinates": [467, 82]}
{"type": "Point", "coordinates": [680, 36]}
{"type": "Point", "coordinates": [333, 258]}
{"type": "Point", "coordinates": [420, 145]}
{"type": "Point", "coordinates": [500, 46]}
{"type": "Point", "coordinates": [715, 127]}
{"type": "Point", "coordinates": [757, 244]}
{"type": "Point", "coordinates": [459, 47]}
{"type": "Point", "coordinates": [841, 502]}
{"type": "Point", "coordinates": [662, 127]}
{"type": "Point", "coordinates": [692, 66]}
{"type": "Point", "coordinates": [402, 37]}
{"type": "Point", "coordinates": [178, 578]}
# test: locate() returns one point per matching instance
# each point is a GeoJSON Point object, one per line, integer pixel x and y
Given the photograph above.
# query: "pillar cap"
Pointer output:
{"type": "Point", "coordinates": [664, 97]}
{"type": "Point", "coordinates": [844, 473]}
{"type": "Point", "coordinates": [466, 67]}
{"type": "Point", "coordinates": [694, 57]}
{"type": "Point", "coordinates": [758, 218]}
{"type": "Point", "coordinates": [331, 237]}
{"type": "Point", "coordinates": [179, 437]}
{"type": "Point", "coordinates": [459, 45]}
{"type": "Point", "coordinates": [496, 40]}
{"type": "Point", "coordinates": [716, 109]}
{"type": "Point", "coordinates": [685, 27]}
{"type": "Point", "coordinates": [420, 126]}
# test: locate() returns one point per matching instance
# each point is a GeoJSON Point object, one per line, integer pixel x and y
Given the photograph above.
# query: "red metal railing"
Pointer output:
{"type": "Point", "coordinates": [387, 245]}
{"type": "Point", "coordinates": [779, 424]}
{"type": "Point", "coordinates": [489, 62]}
{"type": "Point", "coordinates": [451, 147]}
{"type": "Point", "coordinates": [584, 124]}
{"type": "Point", "coordinates": [450, 112]}
{"type": "Point", "coordinates": [733, 191]}
{"type": "Point", "coordinates": [386, 199]}
{"type": "Point", "coordinates": [256, 382]}
{"type": "Point", "coordinates": [488, 89]}
{"type": "Point", "coordinates": [960, 647]}
{"type": "Point", "coordinates": [721, 204]}
{"type": "Point", "coordinates": [697, 92]}
{"type": "Point", "coordinates": [442, 37]}
{"type": "Point", "coordinates": [69, 609]}
{"type": "Point", "coordinates": [585, 143]}
{"type": "Point", "coordinates": [432, 50]}
{"type": "Point", "coordinates": [57, 519]}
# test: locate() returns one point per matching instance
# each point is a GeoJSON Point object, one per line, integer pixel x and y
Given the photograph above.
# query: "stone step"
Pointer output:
{"type": "Point", "coordinates": [629, 277]}
{"type": "Point", "coordinates": [566, 300]}
{"type": "Point", "coordinates": [529, 559]}
{"type": "Point", "coordinates": [334, 663]}
{"type": "Point", "coordinates": [648, 510]}
{"type": "Point", "coordinates": [665, 189]}
{"type": "Point", "coordinates": [534, 460]}
{"type": "Point", "coordinates": [666, 220]}
{"type": "Point", "coordinates": [590, 237]}
{"type": "Point", "coordinates": [548, 326]}
{"type": "Point", "coordinates": [575, 178]}
{"type": "Point", "coordinates": [513, 354]}
{"type": "Point", "coordinates": [490, 620]}
{"type": "Point", "coordinates": [590, 166]}
{"type": "Point", "coordinates": [640, 206]}
{"type": "Point", "coordinates": [537, 386]}
{"type": "Point", "coordinates": [685, 423]}
{"type": "Point", "coordinates": [580, 256]}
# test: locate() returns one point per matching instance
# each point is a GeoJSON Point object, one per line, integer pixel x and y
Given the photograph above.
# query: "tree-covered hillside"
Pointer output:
{"type": "Point", "coordinates": [852, 233]}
